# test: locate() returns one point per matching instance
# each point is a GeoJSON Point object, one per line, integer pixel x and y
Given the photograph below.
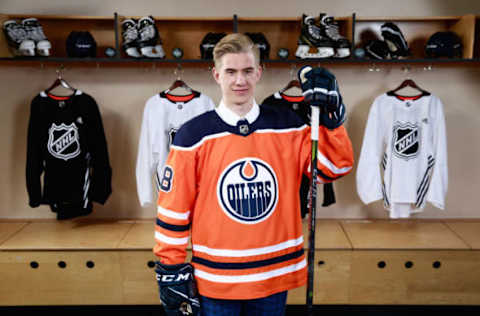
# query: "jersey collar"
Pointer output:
{"type": "Point", "coordinates": [232, 118]}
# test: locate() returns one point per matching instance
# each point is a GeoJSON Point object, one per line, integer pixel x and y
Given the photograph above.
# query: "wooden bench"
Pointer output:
{"type": "Point", "coordinates": [101, 262]}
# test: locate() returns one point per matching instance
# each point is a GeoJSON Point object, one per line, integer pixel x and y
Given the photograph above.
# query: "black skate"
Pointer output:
{"type": "Point", "coordinates": [17, 39]}
{"type": "Point", "coordinates": [312, 36]}
{"type": "Point", "coordinates": [130, 38]}
{"type": "Point", "coordinates": [397, 45]}
{"type": "Point", "coordinates": [149, 40]}
{"type": "Point", "coordinates": [331, 30]}
{"type": "Point", "coordinates": [35, 33]}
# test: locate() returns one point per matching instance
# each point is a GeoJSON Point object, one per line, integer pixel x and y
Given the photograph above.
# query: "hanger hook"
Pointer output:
{"type": "Point", "coordinates": [407, 69]}
{"type": "Point", "coordinates": [178, 72]}
{"type": "Point", "coordinates": [59, 71]}
{"type": "Point", "coordinates": [373, 67]}
{"type": "Point", "coordinates": [293, 71]}
{"type": "Point", "coordinates": [428, 68]}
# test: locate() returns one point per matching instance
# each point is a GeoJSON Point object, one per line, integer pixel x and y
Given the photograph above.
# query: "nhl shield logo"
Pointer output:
{"type": "Point", "coordinates": [247, 190]}
{"type": "Point", "coordinates": [63, 141]}
{"type": "Point", "coordinates": [406, 140]}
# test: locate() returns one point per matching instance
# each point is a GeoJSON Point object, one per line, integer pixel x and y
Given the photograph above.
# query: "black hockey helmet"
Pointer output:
{"type": "Point", "coordinates": [444, 44]}
{"type": "Point", "coordinates": [260, 40]}
{"type": "Point", "coordinates": [208, 44]}
{"type": "Point", "coordinates": [81, 44]}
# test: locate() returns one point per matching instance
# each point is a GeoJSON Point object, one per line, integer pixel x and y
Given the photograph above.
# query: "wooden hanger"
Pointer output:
{"type": "Point", "coordinates": [294, 82]}
{"type": "Point", "coordinates": [179, 83]}
{"type": "Point", "coordinates": [408, 83]}
{"type": "Point", "coordinates": [60, 82]}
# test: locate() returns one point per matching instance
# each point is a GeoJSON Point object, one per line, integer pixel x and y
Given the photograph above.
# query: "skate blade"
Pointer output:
{"type": "Point", "coordinates": [322, 52]}
{"type": "Point", "coordinates": [342, 53]}
{"type": "Point", "coordinates": [27, 48]}
{"type": "Point", "coordinates": [150, 52]}
{"type": "Point", "coordinates": [43, 48]}
{"type": "Point", "coordinates": [133, 52]}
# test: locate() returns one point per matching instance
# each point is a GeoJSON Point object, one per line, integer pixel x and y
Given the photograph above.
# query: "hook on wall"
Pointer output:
{"type": "Point", "coordinates": [406, 69]}
{"type": "Point", "coordinates": [428, 67]}
{"type": "Point", "coordinates": [178, 72]}
{"type": "Point", "coordinates": [60, 69]}
{"type": "Point", "coordinates": [293, 71]}
{"type": "Point", "coordinates": [373, 68]}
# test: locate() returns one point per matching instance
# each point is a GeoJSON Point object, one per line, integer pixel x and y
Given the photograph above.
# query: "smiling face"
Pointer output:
{"type": "Point", "coordinates": [237, 74]}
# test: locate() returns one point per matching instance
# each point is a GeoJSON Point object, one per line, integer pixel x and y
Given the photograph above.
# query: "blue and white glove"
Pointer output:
{"type": "Point", "coordinates": [177, 289]}
{"type": "Point", "coordinates": [320, 89]}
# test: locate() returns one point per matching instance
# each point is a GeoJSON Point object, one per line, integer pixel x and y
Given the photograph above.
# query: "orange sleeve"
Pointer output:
{"type": "Point", "coordinates": [335, 153]}
{"type": "Point", "coordinates": [177, 194]}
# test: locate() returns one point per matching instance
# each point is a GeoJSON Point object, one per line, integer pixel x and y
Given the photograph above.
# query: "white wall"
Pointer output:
{"type": "Point", "coordinates": [121, 93]}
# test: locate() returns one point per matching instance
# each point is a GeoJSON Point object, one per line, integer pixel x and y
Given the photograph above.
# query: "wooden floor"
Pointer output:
{"type": "Point", "coordinates": [366, 262]}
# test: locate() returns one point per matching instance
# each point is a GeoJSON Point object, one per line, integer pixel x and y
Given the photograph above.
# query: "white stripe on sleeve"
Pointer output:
{"type": "Point", "coordinates": [171, 240]}
{"type": "Point", "coordinates": [172, 214]}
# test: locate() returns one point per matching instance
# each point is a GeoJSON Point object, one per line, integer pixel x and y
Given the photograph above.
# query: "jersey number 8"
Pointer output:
{"type": "Point", "coordinates": [166, 182]}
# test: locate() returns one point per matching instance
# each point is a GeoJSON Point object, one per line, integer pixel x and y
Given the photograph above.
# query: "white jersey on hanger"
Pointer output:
{"type": "Point", "coordinates": [162, 117]}
{"type": "Point", "coordinates": [404, 154]}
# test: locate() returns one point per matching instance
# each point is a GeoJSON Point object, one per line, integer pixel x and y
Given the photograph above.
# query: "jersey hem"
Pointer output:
{"type": "Point", "coordinates": [255, 295]}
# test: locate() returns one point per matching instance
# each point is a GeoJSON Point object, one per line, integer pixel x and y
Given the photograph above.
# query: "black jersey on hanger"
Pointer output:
{"type": "Point", "coordinates": [66, 143]}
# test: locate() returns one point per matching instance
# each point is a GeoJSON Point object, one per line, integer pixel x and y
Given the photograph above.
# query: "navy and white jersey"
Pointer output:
{"type": "Point", "coordinates": [162, 117]}
{"type": "Point", "coordinates": [66, 143]}
{"type": "Point", "coordinates": [404, 154]}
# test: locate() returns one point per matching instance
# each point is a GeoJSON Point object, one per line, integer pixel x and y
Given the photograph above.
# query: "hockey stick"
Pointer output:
{"type": "Point", "coordinates": [315, 120]}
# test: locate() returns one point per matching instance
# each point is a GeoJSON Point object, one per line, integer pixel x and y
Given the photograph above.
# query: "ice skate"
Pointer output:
{"type": "Point", "coordinates": [130, 38]}
{"type": "Point", "coordinates": [35, 33]}
{"type": "Point", "coordinates": [331, 30]}
{"type": "Point", "coordinates": [149, 40]}
{"type": "Point", "coordinates": [17, 39]}
{"type": "Point", "coordinates": [311, 36]}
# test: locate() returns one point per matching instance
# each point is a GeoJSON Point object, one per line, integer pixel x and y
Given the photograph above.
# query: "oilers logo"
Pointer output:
{"type": "Point", "coordinates": [63, 141]}
{"type": "Point", "coordinates": [247, 190]}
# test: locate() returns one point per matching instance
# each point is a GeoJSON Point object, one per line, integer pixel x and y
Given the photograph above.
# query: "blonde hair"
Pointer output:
{"type": "Point", "coordinates": [235, 43]}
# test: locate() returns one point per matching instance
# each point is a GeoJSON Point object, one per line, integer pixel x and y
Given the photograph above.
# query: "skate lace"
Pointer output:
{"type": "Point", "coordinates": [16, 34]}
{"type": "Point", "coordinates": [332, 32]}
{"type": "Point", "coordinates": [130, 34]}
{"type": "Point", "coordinates": [147, 33]}
{"type": "Point", "coordinates": [314, 31]}
{"type": "Point", "coordinates": [35, 33]}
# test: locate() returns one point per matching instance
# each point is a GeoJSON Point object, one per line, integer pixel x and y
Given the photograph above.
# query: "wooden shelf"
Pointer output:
{"type": "Point", "coordinates": [417, 31]}
{"type": "Point", "coordinates": [330, 61]}
{"type": "Point", "coordinates": [281, 32]}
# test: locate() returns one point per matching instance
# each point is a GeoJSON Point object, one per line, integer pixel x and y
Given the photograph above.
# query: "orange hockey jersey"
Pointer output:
{"type": "Point", "coordinates": [232, 185]}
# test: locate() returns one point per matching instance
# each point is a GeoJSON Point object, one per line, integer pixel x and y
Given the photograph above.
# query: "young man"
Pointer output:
{"type": "Point", "coordinates": [231, 183]}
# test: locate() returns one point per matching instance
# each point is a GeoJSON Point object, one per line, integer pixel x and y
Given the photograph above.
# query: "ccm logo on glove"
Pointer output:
{"type": "Point", "coordinates": [173, 277]}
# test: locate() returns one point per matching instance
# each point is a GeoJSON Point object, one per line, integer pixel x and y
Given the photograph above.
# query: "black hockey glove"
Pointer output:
{"type": "Point", "coordinates": [177, 289]}
{"type": "Point", "coordinates": [320, 89]}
